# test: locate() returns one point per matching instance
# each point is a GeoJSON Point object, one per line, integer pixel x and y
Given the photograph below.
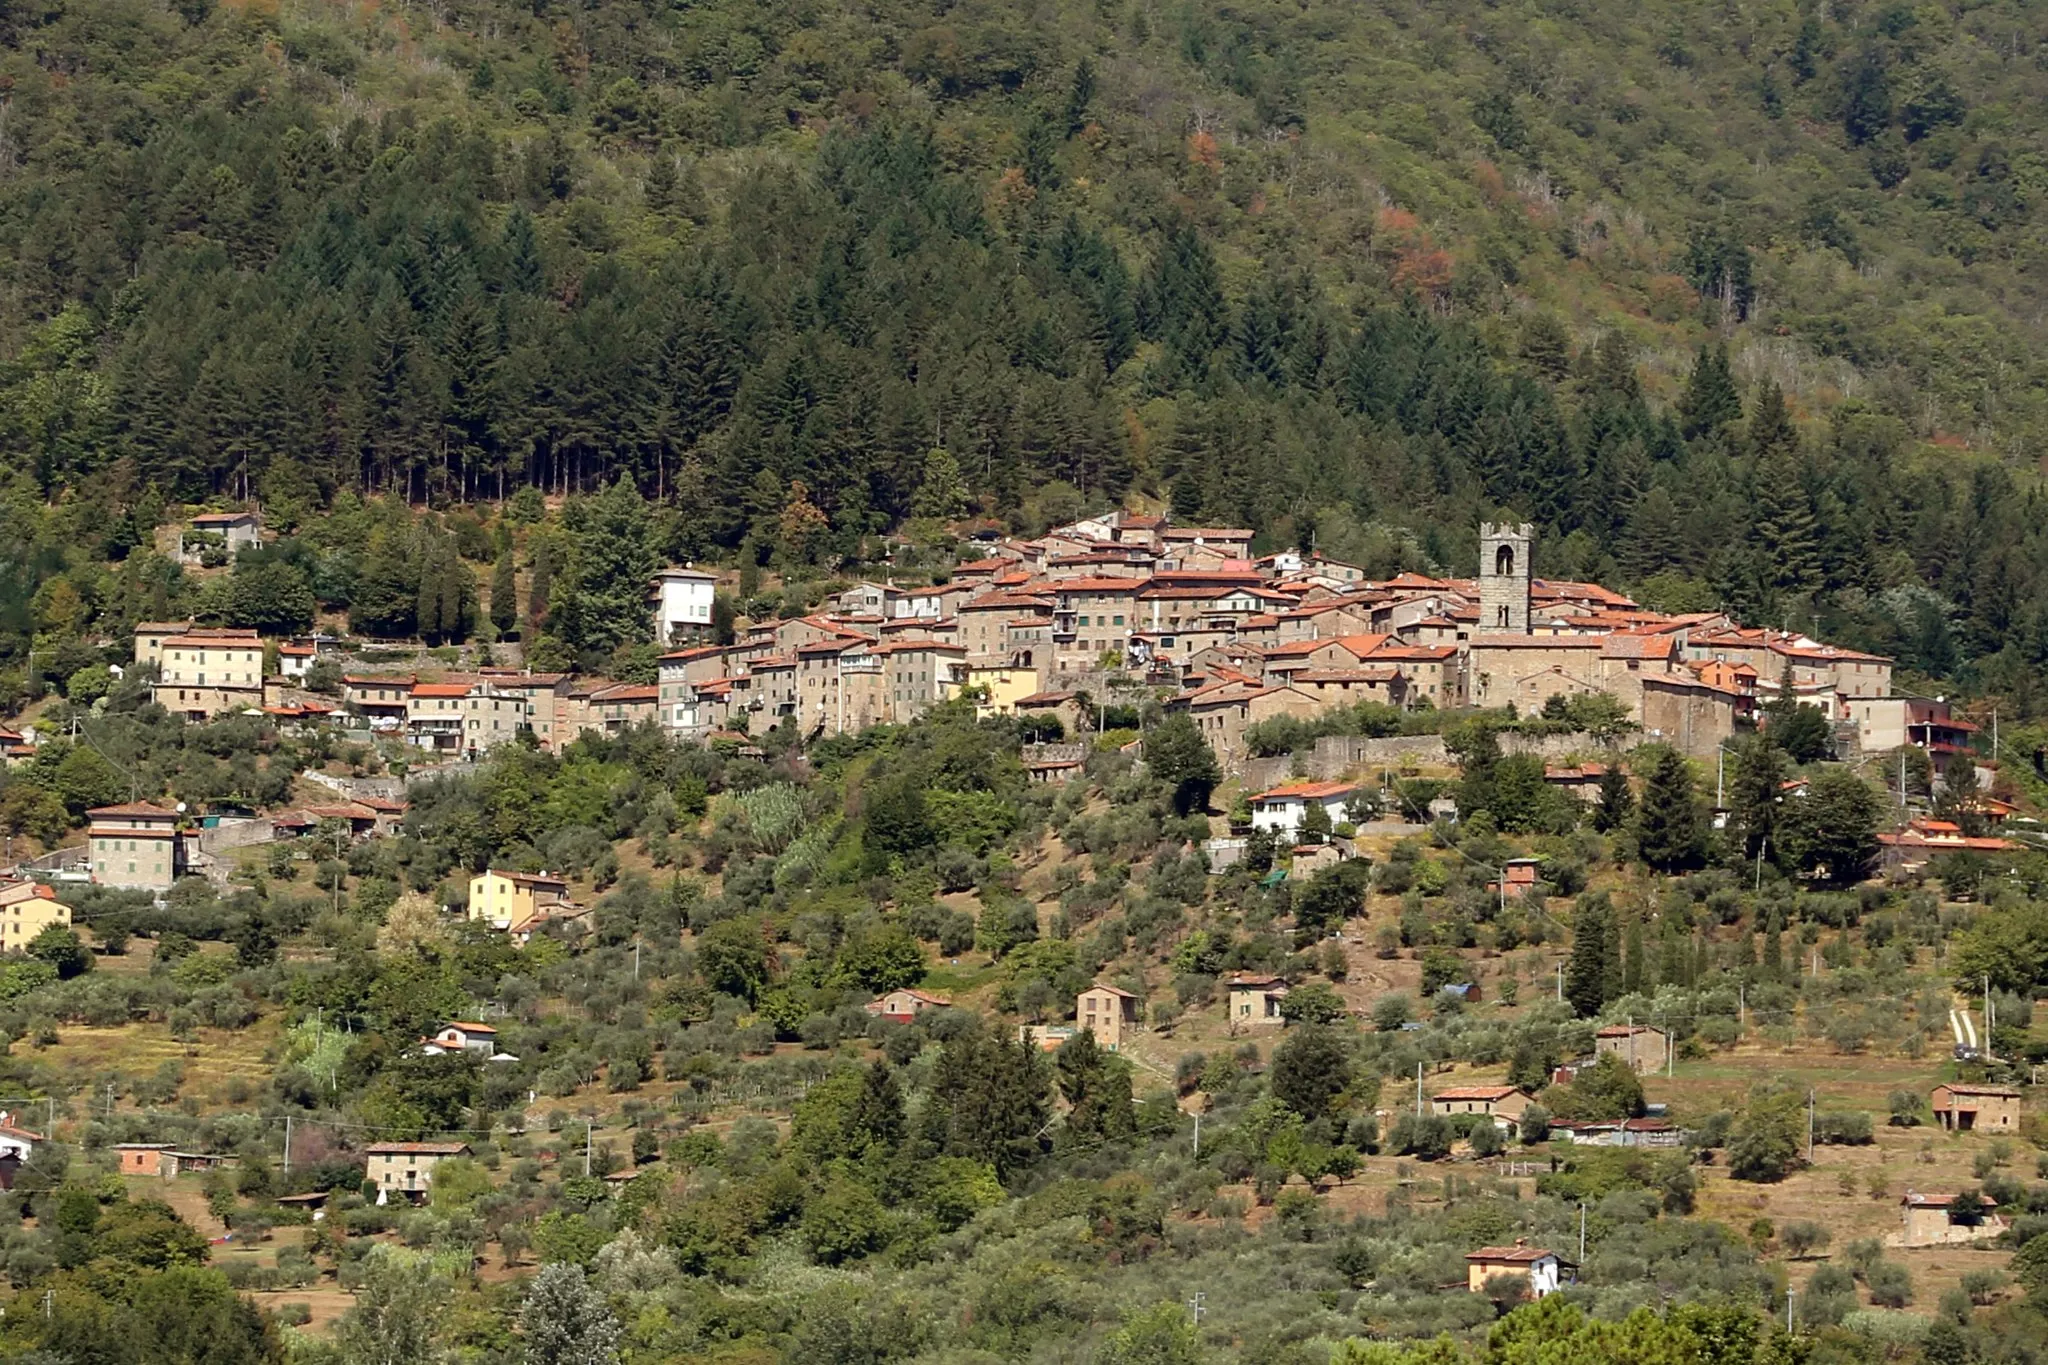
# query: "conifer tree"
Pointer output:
{"type": "Point", "coordinates": [876, 1120]}
{"type": "Point", "coordinates": [504, 594]}
{"type": "Point", "coordinates": [1635, 966]}
{"type": "Point", "coordinates": [1097, 1087]}
{"type": "Point", "coordinates": [1710, 401]}
{"type": "Point", "coordinates": [1669, 836]}
{"type": "Point", "coordinates": [539, 584]}
{"type": "Point", "coordinates": [615, 561]}
{"type": "Point", "coordinates": [1753, 793]}
{"type": "Point", "coordinates": [1616, 802]}
{"type": "Point", "coordinates": [941, 492]}
{"type": "Point", "coordinates": [1588, 974]}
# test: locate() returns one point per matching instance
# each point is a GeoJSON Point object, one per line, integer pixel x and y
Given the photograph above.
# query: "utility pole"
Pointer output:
{"type": "Point", "coordinates": [1198, 1135]}
{"type": "Point", "coordinates": [1582, 1235]}
{"type": "Point", "coordinates": [636, 959]}
{"type": "Point", "coordinates": [1560, 983]}
{"type": "Point", "coordinates": [586, 1147]}
{"type": "Point", "coordinates": [1809, 1125]}
{"type": "Point", "coordinates": [1789, 1292]}
{"type": "Point", "coordinates": [1198, 1305]}
{"type": "Point", "coordinates": [1989, 1055]}
{"type": "Point", "coordinates": [287, 1144]}
{"type": "Point", "coordinates": [1418, 1090]}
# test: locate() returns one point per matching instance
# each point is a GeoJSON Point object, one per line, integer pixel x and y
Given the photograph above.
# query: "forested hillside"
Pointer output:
{"type": "Point", "coordinates": [1350, 274]}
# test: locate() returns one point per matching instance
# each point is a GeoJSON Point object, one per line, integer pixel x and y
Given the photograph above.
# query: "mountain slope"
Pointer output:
{"type": "Point", "coordinates": [1352, 273]}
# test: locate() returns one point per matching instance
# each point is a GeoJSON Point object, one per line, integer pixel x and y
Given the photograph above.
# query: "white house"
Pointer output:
{"type": "Point", "coordinates": [18, 1143]}
{"type": "Point", "coordinates": [682, 604]}
{"type": "Point", "coordinates": [1283, 809]}
{"type": "Point", "coordinates": [462, 1036]}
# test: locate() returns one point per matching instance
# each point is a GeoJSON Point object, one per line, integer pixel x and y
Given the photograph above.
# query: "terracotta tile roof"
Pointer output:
{"type": "Point", "coordinates": [1307, 791]}
{"type": "Point", "coordinates": [134, 808]}
{"type": "Point", "coordinates": [1488, 1093]}
{"type": "Point", "coordinates": [1516, 1254]}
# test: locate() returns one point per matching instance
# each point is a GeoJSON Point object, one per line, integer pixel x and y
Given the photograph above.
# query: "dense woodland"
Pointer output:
{"type": "Point", "coordinates": [1695, 291]}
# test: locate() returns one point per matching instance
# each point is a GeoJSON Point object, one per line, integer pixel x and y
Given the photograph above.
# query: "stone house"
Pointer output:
{"type": "Point", "coordinates": [902, 1006]}
{"type": "Point", "coordinates": [1935, 1220]}
{"type": "Point", "coordinates": [1963, 1108]}
{"type": "Point", "coordinates": [406, 1169]}
{"type": "Point", "coordinates": [1111, 1012]}
{"type": "Point", "coordinates": [1644, 1048]}
{"type": "Point", "coordinates": [1504, 1104]}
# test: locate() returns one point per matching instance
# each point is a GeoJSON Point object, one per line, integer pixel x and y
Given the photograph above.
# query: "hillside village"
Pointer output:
{"type": "Point", "coordinates": [1458, 872]}
{"type": "Point", "coordinates": [1054, 627]}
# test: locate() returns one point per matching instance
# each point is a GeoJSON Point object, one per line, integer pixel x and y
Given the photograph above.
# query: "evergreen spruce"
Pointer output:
{"type": "Point", "coordinates": [1710, 401]}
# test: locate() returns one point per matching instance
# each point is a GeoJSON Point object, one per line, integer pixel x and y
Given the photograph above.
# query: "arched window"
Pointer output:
{"type": "Point", "coordinates": [1504, 561]}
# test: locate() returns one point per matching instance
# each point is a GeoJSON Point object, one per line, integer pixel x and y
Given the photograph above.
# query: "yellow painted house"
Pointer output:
{"type": "Point", "coordinates": [26, 909]}
{"type": "Point", "coordinates": [506, 899]}
{"type": "Point", "coordinates": [1006, 685]}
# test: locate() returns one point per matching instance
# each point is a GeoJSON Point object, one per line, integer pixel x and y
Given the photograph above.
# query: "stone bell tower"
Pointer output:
{"type": "Point", "coordinates": [1504, 578]}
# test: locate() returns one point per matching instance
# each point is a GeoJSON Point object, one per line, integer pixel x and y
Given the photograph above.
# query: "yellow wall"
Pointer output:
{"type": "Point", "coordinates": [26, 917]}
{"type": "Point", "coordinates": [1006, 687]}
{"type": "Point", "coordinates": [499, 899]}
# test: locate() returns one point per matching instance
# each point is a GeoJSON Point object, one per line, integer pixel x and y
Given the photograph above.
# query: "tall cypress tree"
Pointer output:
{"type": "Point", "coordinates": [539, 585]}
{"type": "Point", "coordinates": [1588, 975]}
{"type": "Point", "coordinates": [504, 594]}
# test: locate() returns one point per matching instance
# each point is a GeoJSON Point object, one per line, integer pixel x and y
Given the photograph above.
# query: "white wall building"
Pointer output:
{"type": "Point", "coordinates": [1283, 809]}
{"type": "Point", "coordinates": [682, 604]}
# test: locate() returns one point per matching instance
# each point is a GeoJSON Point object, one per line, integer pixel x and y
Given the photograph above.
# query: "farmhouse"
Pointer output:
{"type": "Point", "coordinates": [902, 1006]}
{"type": "Point", "coordinates": [1967, 1108]}
{"type": "Point", "coordinates": [407, 1168]}
{"type": "Point", "coordinates": [460, 1037]}
{"type": "Point", "coordinates": [1541, 1267]}
{"type": "Point", "coordinates": [1256, 999]}
{"type": "Point", "coordinates": [1504, 1104]}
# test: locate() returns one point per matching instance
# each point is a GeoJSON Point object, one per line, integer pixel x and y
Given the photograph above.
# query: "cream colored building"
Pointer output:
{"type": "Point", "coordinates": [406, 1169]}
{"type": "Point", "coordinates": [204, 673]}
{"type": "Point", "coordinates": [464, 718]}
{"type": "Point", "coordinates": [135, 846]}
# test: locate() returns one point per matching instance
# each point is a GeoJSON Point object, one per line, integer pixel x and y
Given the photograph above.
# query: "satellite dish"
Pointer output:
{"type": "Point", "coordinates": [181, 808]}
